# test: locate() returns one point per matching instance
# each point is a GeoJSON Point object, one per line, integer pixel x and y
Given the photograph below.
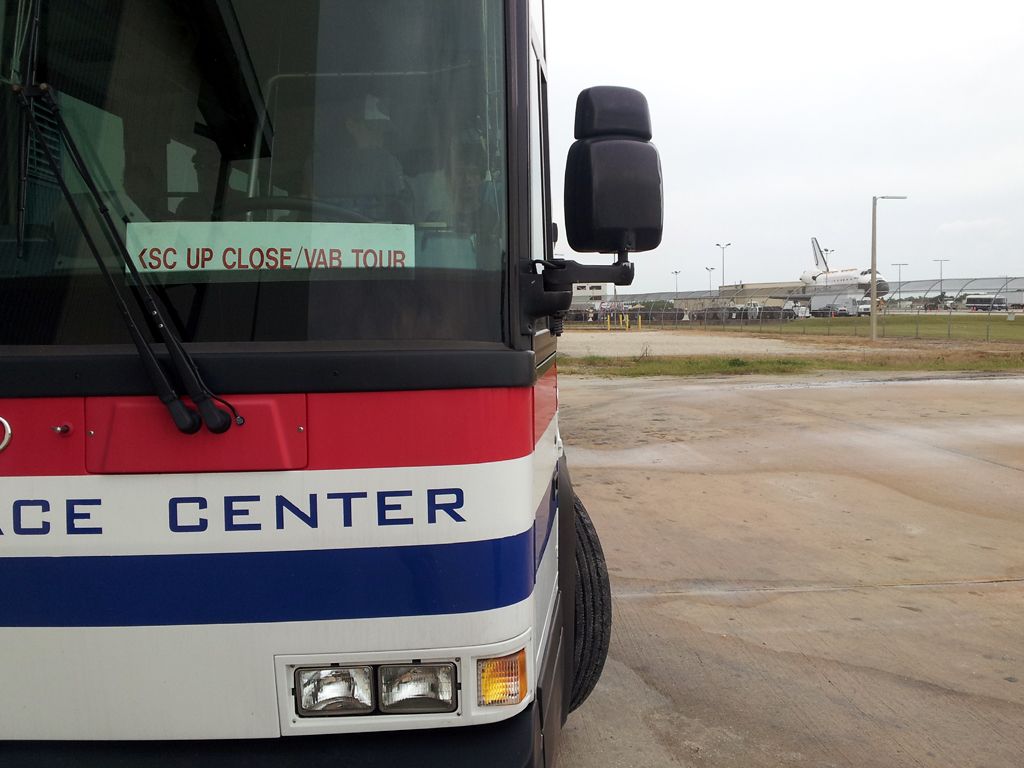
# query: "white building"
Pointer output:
{"type": "Point", "coordinates": [592, 295]}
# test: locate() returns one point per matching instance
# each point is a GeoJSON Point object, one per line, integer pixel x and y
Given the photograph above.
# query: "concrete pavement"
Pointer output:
{"type": "Point", "coordinates": [807, 572]}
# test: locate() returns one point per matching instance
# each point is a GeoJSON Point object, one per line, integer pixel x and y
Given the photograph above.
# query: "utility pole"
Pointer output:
{"type": "Point", "coordinates": [874, 260]}
{"type": "Point", "coordinates": [676, 299]}
{"type": "Point", "coordinates": [941, 293]}
{"type": "Point", "coordinates": [710, 270]}
{"type": "Point", "coordinates": [899, 278]}
{"type": "Point", "coordinates": [723, 247]}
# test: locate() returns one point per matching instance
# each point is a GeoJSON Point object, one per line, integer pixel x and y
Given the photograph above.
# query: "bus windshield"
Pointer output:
{"type": "Point", "coordinates": [313, 171]}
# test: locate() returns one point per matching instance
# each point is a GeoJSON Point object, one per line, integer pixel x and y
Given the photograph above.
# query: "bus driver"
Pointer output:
{"type": "Point", "coordinates": [359, 172]}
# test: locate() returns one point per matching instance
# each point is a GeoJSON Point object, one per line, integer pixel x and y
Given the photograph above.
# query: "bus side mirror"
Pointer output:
{"type": "Point", "coordinates": [613, 200]}
{"type": "Point", "coordinates": [613, 185]}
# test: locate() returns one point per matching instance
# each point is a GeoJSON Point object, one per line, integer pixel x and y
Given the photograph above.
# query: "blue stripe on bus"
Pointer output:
{"type": "Point", "coordinates": [256, 587]}
{"type": "Point", "coordinates": [543, 521]}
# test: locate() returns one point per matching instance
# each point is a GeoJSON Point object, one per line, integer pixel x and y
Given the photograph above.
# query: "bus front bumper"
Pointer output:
{"type": "Point", "coordinates": [512, 743]}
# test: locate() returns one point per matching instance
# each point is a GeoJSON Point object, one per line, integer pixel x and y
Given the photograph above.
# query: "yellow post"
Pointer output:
{"type": "Point", "coordinates": [627, 322]}
{"type": "Point", "coordinates": [608, 321]}
{"type": "Point", "coordinates": [639, 323]}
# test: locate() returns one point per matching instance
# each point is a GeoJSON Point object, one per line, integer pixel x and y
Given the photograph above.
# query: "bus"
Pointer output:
{"type": "Point", "coordinates": [986, 302]}
{"type": "Point", "coordinates": [281, 477]}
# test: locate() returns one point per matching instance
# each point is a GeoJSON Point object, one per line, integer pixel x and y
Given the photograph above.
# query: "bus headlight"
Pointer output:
{"type": "Point", "coordinates": [501, 680]}
{"type": "Point", "coordinates": [327, 691]}
{"type": "Point", "coordinates": [417, 688]}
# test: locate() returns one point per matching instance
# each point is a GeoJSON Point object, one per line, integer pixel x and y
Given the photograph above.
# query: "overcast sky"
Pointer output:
{"type": "Point", "coordinates": [778, 121]}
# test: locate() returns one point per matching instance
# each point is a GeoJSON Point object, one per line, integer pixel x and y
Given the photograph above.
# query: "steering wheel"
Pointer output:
{"type": "Point", "coordinates": [302, 204]}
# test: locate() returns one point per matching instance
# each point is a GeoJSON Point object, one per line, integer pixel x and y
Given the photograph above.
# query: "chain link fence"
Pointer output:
{"type": "Point", "coordinates": [919, 324]}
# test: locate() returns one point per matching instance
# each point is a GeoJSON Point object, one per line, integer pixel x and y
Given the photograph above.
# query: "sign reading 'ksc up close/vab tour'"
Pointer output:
{"type": "Point", "coordinates": [227, 246]}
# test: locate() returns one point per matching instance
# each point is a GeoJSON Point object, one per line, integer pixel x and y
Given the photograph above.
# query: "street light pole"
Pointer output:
{"type": "Point", "coordinates": [710, 270]}
{"type": "Point", "coordinates": [899, 279]}
{"type": "Point", "coordinates": [941, 262]}
{"type": "Point", "coordinates": [676, 299]}
{"type": "Point", "coordinates": [874, 259]}
{"type": "Point", "coordinates": [723, 247]}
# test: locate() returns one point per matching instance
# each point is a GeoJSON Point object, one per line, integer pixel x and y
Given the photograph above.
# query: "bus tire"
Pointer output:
{"type": "Point", "coordinates": [593, 615]}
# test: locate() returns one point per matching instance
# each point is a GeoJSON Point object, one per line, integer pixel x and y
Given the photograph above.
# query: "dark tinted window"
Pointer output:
{"type": "Point", "coordinates": [323, 171]}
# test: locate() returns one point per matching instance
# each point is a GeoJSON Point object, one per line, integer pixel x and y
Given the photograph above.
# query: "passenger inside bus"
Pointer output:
{"type": "Point", "coordinates": [456, 210]}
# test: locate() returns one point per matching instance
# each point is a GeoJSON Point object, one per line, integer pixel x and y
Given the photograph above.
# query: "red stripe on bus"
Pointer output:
{"type": "Point", "coordinates": [545, 402]}
{"type": "Point", "coordinates": [135, 435]}
{"type": "Point", "coordinates": [338, 431]}
{"type": "Point", "coordinates": [46, 436]}
{"type": "Point", "coordinates": [419, 429]}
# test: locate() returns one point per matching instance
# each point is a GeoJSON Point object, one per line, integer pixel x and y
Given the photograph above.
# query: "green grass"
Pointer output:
{"type": "Point", "coordinates": [596, 365]}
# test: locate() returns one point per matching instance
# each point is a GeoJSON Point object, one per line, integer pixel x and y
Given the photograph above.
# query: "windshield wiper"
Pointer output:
{"type": "Point", "coordinates": [23, 65]}
{"type": "Point", "coordinates": [186, 419]}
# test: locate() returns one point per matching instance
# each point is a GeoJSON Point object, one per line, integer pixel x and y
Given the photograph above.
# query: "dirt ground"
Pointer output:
{"type": "Point", "coordinates": [822, 571]}
{"type": "Point", "coordinates": [577, 343]}
{"type": "Point", "coordinates": [632, 343]}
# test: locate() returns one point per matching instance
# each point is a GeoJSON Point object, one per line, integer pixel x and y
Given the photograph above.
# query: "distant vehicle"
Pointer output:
{"type": "Point", "coordinates": [986, 303]}
{"type": "Point", "coordinates": [824, 276]}
{"type": "Point", "coordinates": [831, 310]}
{"type": "Point", "coordinates": [864, 308]}
{"type": "Point", "coordinates": [794, 310]}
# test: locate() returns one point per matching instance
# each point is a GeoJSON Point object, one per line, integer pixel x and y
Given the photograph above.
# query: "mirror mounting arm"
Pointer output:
{"type": "Point", "coordinates": [560, 274]}
{"type": "Point", "coordinates": [549, 293]}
